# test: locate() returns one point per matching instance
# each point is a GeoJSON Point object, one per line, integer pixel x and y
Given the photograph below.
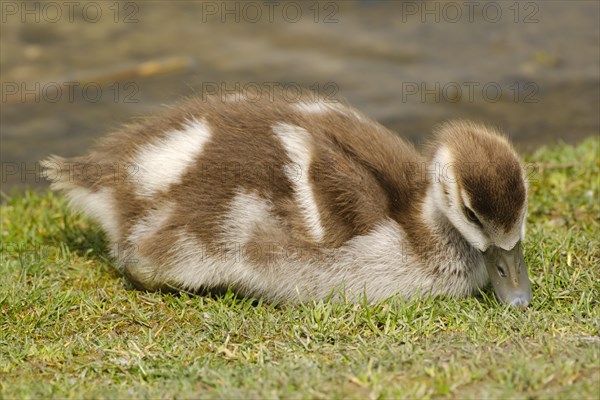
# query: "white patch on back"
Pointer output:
{"type": "Point", "coordinates": [348, 111]}
{"type": "Point", "coordinates": [193, 266]}
{"type": "Point", "coordinates": [322, 107]}
{"type": "Point", "coordinates": [150, 223]}
{"type": "Point", "coordinates": [297, 143]}
{"type": "Point", "coordinates": [100, 206]}
{"type": "Point", "coordinates": [312, 107]}
{"type": "Point", "coordinates": [247, 213]}
{"type": "Point", "coordinates": [164, 162]}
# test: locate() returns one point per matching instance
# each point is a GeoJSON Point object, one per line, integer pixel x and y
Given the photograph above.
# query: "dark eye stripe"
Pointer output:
{"type": "Point", "coordinates": [471, 216]}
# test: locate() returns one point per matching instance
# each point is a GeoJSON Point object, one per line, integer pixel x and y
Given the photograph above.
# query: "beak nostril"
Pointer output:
{"type": "Point", "coordinates": [501, 271]}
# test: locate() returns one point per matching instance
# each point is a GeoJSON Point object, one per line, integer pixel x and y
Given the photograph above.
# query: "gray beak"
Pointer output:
{"type": "Point", "coordinates": [508, 273]}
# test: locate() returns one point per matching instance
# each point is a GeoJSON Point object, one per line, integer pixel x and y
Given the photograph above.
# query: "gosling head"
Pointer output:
{"type": "Point", "coordinates": [481, 188]}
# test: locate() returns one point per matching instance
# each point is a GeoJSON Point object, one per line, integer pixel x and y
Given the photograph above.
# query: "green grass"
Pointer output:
{"type": "Point", "coordinates": [70, 326]}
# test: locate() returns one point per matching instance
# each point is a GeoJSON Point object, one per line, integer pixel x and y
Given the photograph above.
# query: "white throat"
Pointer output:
{"type": "Point", "coordinates": [454, 255]}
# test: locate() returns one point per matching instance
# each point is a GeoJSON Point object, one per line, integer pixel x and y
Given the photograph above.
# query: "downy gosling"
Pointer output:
{"type": "Point", "coordinates": [294, 201]}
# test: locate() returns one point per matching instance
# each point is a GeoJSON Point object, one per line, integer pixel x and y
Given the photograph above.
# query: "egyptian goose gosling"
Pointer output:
{"type": "Point", "coordinates": [296, 201]}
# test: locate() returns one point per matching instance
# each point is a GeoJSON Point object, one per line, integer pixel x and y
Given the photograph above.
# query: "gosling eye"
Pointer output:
{"type": "Point", "coordinates": [501, 271]}
{"type": "Point", "coordinates": [471, 216]}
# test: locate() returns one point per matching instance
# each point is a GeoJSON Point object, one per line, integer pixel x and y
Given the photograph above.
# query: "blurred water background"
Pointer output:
{"type": "Point", "coordinates": [72, 71]}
